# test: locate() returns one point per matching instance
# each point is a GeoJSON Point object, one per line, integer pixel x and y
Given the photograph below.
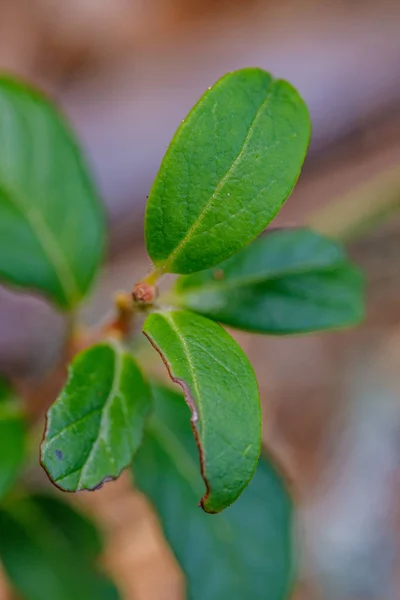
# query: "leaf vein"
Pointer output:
{"type": "Point", "coordinates": [191, 231]}
{"type": "Point", "coordinates": [111, 395]}
{"type": "Point", "coordinates": [45, 236]}
{"type": "Point", "coordinates": [72, 424]}
{"type": "Point", "coordinates": [188, 355]}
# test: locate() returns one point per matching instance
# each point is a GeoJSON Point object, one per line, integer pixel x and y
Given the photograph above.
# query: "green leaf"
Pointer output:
{"type": "Point", "coordinates": [96, 424]}
{"type": "Point", "coordinates": [244, 553]}
{"type": "Point", "coordinates": [221, 390]}
{"type": "Point", "coordinates": [5, 389]}
{"type": "Point", "coordinates": [81, 533]}
{"type": "Point", "coordinates": [230, 166]}
{"type": "Point", "coordinates": [288, 281]}
{"type": "Point", "coordinates": [48, 550]}
{"type": "Point", "coordinates": [12, 443]}
{"type": "Point", "coordinates": [51, 221]}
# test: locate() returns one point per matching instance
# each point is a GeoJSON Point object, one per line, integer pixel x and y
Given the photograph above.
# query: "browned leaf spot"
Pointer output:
{"type": "Point", "coordinates": [100, 485]}
{"type": "Point", "coordinates": [218, 274]}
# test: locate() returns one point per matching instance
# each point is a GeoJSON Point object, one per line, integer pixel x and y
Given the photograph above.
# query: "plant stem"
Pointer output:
{"type": "Point", "coordinates": [154, 276]}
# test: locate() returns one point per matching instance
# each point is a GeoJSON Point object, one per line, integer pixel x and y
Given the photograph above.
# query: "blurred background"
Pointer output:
{"type": "Point", "coordinates": [126, 72]}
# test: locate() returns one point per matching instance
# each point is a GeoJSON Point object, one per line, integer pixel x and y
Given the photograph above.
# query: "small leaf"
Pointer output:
{"type": "Point", "coordinates": [289, 281]}
{"type": "Point", "coordinates": [12, 442]}
{"type": "Point", "coordinates": [95, 426]}
{"type": "Point", "coordinates": [244, 553]}
{"type": "Point", "coordinates": [232, 163]}
{"type": "Point", "coordinates": [51, 221]}
{"type": "Point", "coordinates": [47, 557]}
{"type": "Point", "coordinates": [221, 390]}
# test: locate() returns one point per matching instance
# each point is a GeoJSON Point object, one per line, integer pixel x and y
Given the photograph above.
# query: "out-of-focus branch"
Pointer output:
{"type": "Point", "coordinates": [356, 213]}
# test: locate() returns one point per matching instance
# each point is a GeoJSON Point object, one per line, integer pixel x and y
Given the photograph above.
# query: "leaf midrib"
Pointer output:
{"type": "Point", "coordinates": [49, 245]}
{"type": "Point", "coordinates": [113, 392]}
{"type": "Point", "coordinates": [192, 229]}
{"type": "Point", "coordinates": [197, 404]}
{"type": "Point", "coordinates": [237, 282]}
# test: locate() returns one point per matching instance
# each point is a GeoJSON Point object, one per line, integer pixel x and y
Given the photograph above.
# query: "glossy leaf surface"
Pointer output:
{"type": "Point", "coordinates": [96, 424]}
{"type": "Point", "coordinates": [230, 166]}
{"type": "Point", "coordinates": [51, 220]}
{"type": "Point", "coordinates": [221, 389]}
{"type": "Point", "coordinates": [246, 552]}
{"type": "Point", "coordinates": [48, 550]}
{"type": "Point", "coordinates": [287, 281]}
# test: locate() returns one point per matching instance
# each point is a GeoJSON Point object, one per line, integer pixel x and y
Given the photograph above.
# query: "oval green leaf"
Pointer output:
{"type": "Point", "coordinates": [96, 424]}
{"type": "Point", "coordinates": [51, 220]}
{"type": "Point", "coordinates": [12, 444]}
{"type": "Point", "coordinates": [48, 550]}
{"type": "Point", "coordinates": [244, 553]}
{"type": "Point", "coordinates": [230, 166]}
{"type": "Point", "coordinates": [287, 281]}
{"type": "Point", "coordinates": [221, 390]}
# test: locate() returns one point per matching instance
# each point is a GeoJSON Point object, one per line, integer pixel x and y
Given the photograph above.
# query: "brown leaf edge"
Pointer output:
{"type": "Point", "coordinates": [194, 418]}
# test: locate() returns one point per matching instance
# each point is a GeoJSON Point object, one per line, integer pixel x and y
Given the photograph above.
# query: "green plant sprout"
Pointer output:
{"type": "Point", "coordinates": [230, 167]}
